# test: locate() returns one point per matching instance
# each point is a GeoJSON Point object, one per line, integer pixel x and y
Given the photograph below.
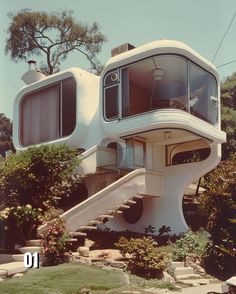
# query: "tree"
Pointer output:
{"type": "Point", "coordinates": [5, 135]}
{"type": "Point", "coordinates": [53, 35]}
{"type": "Point", "coordinates": [218, 203]}
{"type": "Point", "coordinates": [228, 115]}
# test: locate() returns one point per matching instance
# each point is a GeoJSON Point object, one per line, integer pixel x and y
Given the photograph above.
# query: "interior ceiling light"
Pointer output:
{"type": "Point", "coordinates": [158, 74]}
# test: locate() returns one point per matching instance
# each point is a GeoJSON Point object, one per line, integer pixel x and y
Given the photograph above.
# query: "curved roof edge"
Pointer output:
{"type": "Point", "coordinates": [160, 47]}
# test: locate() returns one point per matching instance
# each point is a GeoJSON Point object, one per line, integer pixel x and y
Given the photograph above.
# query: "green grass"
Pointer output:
{"type": "Point", "coordinates": [63, 279]}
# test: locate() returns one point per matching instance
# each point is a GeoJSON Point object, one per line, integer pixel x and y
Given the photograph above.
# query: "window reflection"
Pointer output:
{"type": "Point", "coordinates": [161, 82]}
{"type": "Point", "coordinates": [202, 93]}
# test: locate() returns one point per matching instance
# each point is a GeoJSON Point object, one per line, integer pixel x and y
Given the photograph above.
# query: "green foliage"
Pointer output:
{"type": "Point", "coordinates": [228, 115]}
{"type": "Point", "coordinates": [219, 263]}
{"type": "Point", "coordinates": [193, 243]}
{"type": "Point", "coordinates": [54, 240]}
{"type": "Point", "coordinates": [5, 135]}
{"type": "Point", "coordinates": [149, 229]}
{"type": "Point", "coordinates": [219, 200]}
{"type": "Point", "coordinates": [26, 219]}
{"type": "Point", "coordinates": [218, 203]}
{"type": "Point", "coordinates": [38, 176]}
{"type": "Point", "coordinates": [53, 35]}
{"type": "Point", "coordinates": [144, 259]}
{"type": "Point", "coordinates": [143, 283]}
{"type": "Point", "coordinates": [228, 91]}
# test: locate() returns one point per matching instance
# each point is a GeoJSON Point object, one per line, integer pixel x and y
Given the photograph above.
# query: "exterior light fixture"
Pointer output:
{"type": "Point", "coordinates": [167, 134]}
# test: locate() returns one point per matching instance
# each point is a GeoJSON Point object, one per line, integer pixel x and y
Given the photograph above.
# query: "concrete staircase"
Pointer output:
{"type": "Point", "coordinates": [103, 218]}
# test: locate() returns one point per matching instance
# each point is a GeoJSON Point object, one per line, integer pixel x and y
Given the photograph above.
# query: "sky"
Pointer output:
{"type": "Point", "coordinates": [200, 24]}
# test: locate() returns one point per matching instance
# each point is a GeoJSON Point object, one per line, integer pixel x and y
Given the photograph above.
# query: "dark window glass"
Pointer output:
{"type": "Point", "coordinates": [68, 107]}
{"type": "Point", "coordinates": [111, 102]}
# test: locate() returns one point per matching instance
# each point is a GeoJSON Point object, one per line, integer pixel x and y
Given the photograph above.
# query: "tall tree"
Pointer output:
{"type": "Point", "coordinates": [228, 114]}
{"type": "Point", "coordinates": [53, 35]}
{"type": "Point", "coordinates": [5, 135]}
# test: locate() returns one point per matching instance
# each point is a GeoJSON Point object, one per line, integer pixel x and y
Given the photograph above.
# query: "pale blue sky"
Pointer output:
{"type": "Point", "coordinates": [200, 24]}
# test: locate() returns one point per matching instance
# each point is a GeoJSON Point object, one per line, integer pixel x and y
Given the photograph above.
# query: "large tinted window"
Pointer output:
{"type": "Point", "coordinates": [163, 81]}
{"type": "Point", "coordinates": [159, 82]}
{"type": "Point", "coordinates": [48, 114]}
{"type": "Point", "coordinates": [203, 95]}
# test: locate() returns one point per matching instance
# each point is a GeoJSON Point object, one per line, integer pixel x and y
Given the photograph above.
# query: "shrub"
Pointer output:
{"type": "Point", "coordinates": [38, 175]}
{"type": "Point", "coordinates": [144, 259]}
{"type": "Point", "coordinates": [54, 242]}
{"type": "Point", "coordinates": [25, 217]}
{"type": "Point", "coordinates": [191, 243]}
{"type": "Point", "coordinates": [218, 263]}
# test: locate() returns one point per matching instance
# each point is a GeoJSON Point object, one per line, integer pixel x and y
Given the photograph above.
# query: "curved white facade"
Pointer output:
{"type": "Point", "coordinates": [151, 106]}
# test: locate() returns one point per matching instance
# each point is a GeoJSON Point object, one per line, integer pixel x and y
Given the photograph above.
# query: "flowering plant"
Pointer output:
{"type": "Point", "coordinates": [22, 214]}
{"type": "Point", "coordinates": [54, 241]}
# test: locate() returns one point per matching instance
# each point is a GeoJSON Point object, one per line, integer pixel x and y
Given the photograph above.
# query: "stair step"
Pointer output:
{"type": "Point", "coordinates": [114, 211]}
{"type": "Point", "coordinates": [188, 276]}
{"type": "Point", "coordinates": [77, 234]}
{"type": "Point", "coordinates": [31, 249]}
{"type": "Point", "coordinates": [20, 257]}
{"type": "Point", "coordinates": [130, 202]}
{"type": "Point", "coordinates": [178, 264]}
{"type": "Point", "coordinates": [88, 228]}
{"type": "Point", "coordinates": [123, 206]}
{"type": "Point", "coordinates": [33, 242]}
{"type": "Point", "coordinates": [119, 211]}
{"type": "Point", "coordinates": [138, 196]}
{"type": "Point", "coordinates": [106, 216]}
{"type": "Point", "coordinates": [195, 282]}
{"type": "Point", "coordinates": [184, 271]}
{"type": "Point", "coordinates": [12, 268]}
{"type": "Point", "coordinates": [95, 222]}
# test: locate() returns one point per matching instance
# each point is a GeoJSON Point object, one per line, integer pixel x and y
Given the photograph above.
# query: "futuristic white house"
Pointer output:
{"type": "Point", "coordinates": [151, 106]}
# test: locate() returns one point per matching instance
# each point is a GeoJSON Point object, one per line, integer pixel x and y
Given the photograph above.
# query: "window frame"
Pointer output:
{"type": "Point", "coordinates": [58, 83]}
{"type": "Point", "coordinates": [120, 81]}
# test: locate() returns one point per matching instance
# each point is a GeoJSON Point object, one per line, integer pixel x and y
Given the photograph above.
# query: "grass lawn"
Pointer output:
{"type": "Point", "coordinates": [63, 279]}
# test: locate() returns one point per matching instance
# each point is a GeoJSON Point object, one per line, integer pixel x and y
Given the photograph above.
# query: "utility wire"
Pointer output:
{"type": "Point", "coordinates": [226, 63]}
{"type": "Point", "coordinates": [222, 40]}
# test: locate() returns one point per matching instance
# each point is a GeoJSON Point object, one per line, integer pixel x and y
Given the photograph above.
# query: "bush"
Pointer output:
{"type": "Point", "coordinates": [54, 242]}
{"type": "Point", "coordinates": [218, 263]}
{"type": "Point", "coordinates": [25, 217]}
{"type": "Point", "coordinates": [191, 243]}
{"type": "Point", "coordinates": [37, 176]}
{"type": "Point", "coordinates": [144, 259]}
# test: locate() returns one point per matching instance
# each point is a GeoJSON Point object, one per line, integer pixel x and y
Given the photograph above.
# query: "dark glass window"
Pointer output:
{"type": "Point", "coordinates": [111, 102]}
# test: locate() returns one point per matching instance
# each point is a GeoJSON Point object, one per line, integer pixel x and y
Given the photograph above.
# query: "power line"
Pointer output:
{"type": "Point", "coordinates": [222, 40]}
{"type": "Point", "coordinates": [226, 63]}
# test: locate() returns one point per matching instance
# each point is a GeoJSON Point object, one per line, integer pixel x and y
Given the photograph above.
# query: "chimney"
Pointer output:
{"type": "Point", "coordinates": [121, 49]}
{"type": "Point", "coordinates": [32, 75]}
{"type": "Point", "coordinates": [32, 64]}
